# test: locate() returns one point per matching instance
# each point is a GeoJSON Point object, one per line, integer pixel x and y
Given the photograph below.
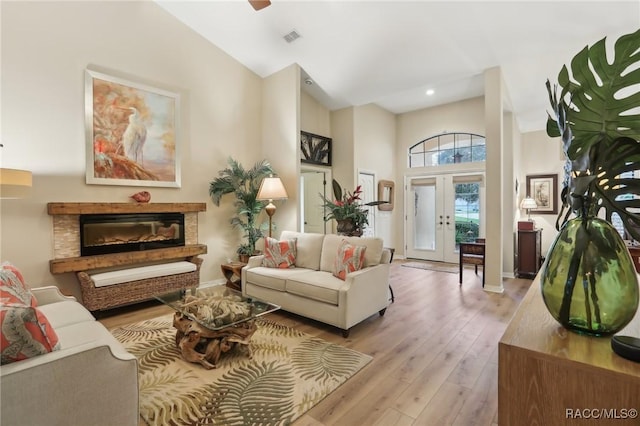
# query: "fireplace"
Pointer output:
{"type": "Point", "coordinates": [117, 233]}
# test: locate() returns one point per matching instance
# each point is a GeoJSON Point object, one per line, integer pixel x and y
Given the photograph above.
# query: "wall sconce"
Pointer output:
{"type": "Point", "coordinates": [271, 188]}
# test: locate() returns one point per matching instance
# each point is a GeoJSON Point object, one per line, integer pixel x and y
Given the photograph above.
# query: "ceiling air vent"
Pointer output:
{"type": "Point", "coordinates": [292, 36]}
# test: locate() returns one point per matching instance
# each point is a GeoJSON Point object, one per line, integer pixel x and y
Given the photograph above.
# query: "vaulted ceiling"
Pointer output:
{"type": "Point", "coordinates": [389, 53]}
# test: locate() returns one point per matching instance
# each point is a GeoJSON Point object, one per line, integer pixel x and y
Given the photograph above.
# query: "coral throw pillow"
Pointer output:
{"type": "Point", "coordinates": [279, 254]}
{"type": "Point", "coordinates": [26, 333]}
{"type": "Point", "coordinates": [350, 258]}
{"type": "Point", "coordinates": [13, 289]}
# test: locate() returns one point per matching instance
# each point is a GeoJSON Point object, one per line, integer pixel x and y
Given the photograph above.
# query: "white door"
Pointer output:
{"type": "Point", "coordinates": [312, 184]}
{"type": "Point", "coordinates": [442, 211]}
{"type": "Point", "coordinates": [367, 182]}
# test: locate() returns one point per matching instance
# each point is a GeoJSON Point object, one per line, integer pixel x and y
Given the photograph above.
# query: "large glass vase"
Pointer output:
{"type": "Point", "coordinates": [589, 283]}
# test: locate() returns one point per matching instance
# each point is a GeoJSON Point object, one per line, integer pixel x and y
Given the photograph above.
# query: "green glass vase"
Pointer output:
{"type": "Point", "coordinates": [589, 283]}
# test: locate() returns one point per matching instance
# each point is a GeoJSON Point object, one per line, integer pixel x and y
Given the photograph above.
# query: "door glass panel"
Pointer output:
{"type": "Point", "coordinates": [424, 229]}
{"type": "Point", "coordinates": [467, 212]}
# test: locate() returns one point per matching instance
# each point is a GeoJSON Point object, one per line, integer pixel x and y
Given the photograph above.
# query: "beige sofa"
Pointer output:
{"type": "Point", "coordinates": [310, 289]}
{"type": "Point", "coordinates": [90, 380]}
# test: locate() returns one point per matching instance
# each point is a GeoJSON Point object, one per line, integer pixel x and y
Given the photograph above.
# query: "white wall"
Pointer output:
{"type": "Point", "coordinates": [46, 47]}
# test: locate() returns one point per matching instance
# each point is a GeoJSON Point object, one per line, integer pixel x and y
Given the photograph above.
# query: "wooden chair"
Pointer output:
{"type": "Point", "coordinates": [472, 253]}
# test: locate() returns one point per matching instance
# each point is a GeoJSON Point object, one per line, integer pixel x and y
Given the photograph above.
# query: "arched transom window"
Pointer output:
{"type": "Point", "coordinates": [448, 148]}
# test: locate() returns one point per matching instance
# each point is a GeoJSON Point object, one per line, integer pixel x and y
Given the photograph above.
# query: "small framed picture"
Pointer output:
{"type": "Point", "coordinates": [543, 189]}
{"type": "Point", "coordinates": [315, 149]}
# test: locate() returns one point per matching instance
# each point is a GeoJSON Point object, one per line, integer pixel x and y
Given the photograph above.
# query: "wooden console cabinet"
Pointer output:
{"type": "Point", "coordinates": [546, 373]}
{"type": "Point", "coordinates": [529, 253]}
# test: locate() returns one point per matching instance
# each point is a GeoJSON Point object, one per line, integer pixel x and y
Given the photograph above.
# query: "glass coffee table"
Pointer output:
{"type": "Point", "coordinates": [212, 321]}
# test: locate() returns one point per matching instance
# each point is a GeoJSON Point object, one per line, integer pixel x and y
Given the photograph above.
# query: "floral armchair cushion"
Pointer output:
{"type": "Point", "coordinates": [350, 258]}
{"type": "Point", "coordinates": [279, 254]}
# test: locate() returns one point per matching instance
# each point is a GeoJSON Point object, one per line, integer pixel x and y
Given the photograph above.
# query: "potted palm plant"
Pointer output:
{"type": "Point", "coordinates": [244, 185]}
{"type": "Point", "coordinates": [588, 281]}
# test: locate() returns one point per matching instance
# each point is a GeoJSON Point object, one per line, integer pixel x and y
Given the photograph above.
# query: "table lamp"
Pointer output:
{"type": "Point", "coordinates": [271, 189]}
{"type": "Point", "coordinates": [528, 203]}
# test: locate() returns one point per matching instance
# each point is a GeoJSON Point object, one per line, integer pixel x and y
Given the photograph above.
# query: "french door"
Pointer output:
{"type": "Point", "coordinates": [442, 211]}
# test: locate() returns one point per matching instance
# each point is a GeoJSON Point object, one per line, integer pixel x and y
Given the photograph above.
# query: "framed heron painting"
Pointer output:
{"type": "Point", "coordinates": [132, 132]}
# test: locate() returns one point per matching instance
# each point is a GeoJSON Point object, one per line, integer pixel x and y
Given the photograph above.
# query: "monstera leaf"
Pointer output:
{"type": "Point", "coordinates": [597, 114]}
{"type": "Point", "coordinates": [597, 100]}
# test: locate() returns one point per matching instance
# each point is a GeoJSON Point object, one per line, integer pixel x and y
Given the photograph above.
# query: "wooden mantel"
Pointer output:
{"type": "Point", "coordinates": [105, 208]}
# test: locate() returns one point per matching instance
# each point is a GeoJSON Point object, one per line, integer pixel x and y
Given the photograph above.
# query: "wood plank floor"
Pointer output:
{"type": "Point", "coordinates": [435, 352]}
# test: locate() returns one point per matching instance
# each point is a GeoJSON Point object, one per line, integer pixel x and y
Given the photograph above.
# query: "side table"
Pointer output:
{"type": "Point", "coordinates": [233, 273]}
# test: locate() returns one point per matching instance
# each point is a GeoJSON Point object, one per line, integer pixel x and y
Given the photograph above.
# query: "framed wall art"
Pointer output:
{"type": "Point", "coordinates": [132, 132]}
{"type": "Point", "coordinates": [315, 149]}
{"type": "Point", "coordinates": [544, 189]}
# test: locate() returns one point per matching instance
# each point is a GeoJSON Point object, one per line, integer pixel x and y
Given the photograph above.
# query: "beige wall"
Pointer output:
{"type": "Point", "coordinates": [46, 47]}
{"type": "Point", "coordinates": [375, 151]}
{"type": "Point", "coordinates": [314, 117]}
{"type": "Point", "coordinates": [541, 154]}
{"type": "Point", "coordinates": [281, 140]}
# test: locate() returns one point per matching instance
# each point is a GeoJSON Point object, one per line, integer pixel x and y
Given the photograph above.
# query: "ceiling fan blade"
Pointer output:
{"type": "Point", "coordinates": [259, 4]}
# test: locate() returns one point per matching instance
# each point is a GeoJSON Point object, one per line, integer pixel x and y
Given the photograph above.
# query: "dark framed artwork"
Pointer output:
{"type": "Point", "coordinates": [315, 149]}
{"type": "Point", "coordinates": [544, 189]}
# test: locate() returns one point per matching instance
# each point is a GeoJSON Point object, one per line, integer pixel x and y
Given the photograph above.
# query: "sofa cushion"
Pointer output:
{"type": "Point", "coordinates": [273, 278]}
{"type": "Point", "coordinates": [61, 314]}
{"type": "Point", "coordinates": [279, 254]}
{"type": "Point", "coordinates": [350, 258]}
{"type": "Point", "coordinates": [83, 333]}
{"type": "Point", "coordinates": [142, 272]}
{"type": "Point", "coordinates": [26, 333]}
{"type": "Point", "coordinates": [13, 288]}
{"type": "Point", "coordinates": [308, 248]}
{"type": "Point", "coordinates": [330, 245]}
{"type": "Point", "coordinates": [316, 285]}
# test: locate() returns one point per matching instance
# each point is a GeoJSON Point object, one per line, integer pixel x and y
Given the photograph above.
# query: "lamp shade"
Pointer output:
{"type": "Point", "coordinates": [528, 203]}
{"type": "Point", "coordinates": [272, 188]}
{"type": "Point", "coordinates": [14, 183]}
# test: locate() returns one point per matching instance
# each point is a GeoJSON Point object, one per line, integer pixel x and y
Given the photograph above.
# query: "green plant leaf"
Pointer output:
{"type": "Point", "coordinates": [598, 97]}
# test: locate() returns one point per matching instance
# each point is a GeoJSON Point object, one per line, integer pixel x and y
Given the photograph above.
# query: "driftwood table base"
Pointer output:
{"type": "Point", "coordinates": [204, 346]}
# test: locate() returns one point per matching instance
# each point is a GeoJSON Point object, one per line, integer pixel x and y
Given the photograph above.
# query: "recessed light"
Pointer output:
{"type": "Point", "coordinates": [430, 92]}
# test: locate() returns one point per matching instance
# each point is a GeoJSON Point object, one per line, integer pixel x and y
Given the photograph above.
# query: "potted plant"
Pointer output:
{"type": "Point", "coordinates": [346, 209]}
{"type": "Point", "coordinates": [244, 252]}
{"type": "Point", "coordinates": [244, 185]}
{"type": "Point", "coordinates": [588, 280]}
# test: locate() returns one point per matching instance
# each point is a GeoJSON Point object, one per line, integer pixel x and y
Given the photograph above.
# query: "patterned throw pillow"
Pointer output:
{"type": "Point", "coordinates": [13, 289]}
{"type": "Point", "coordinates": [26, 333]}
{"type": "Point", "coordinates": [279, 254]}
{"type": "Point", "coordinates": [350, 258]}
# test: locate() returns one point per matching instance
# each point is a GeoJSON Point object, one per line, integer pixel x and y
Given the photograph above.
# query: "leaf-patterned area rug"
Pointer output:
{"type": "Point", "coordinates": [289, 373]}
